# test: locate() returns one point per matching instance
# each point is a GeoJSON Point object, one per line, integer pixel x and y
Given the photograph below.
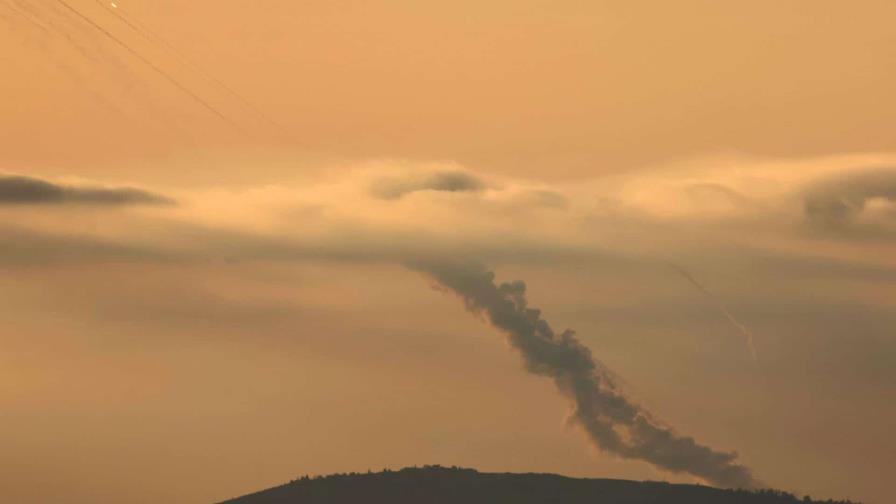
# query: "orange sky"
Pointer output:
{"type": "Point", "coordinates": [262, 327]}
{"type": "Point", "coordinates": [546, 89]}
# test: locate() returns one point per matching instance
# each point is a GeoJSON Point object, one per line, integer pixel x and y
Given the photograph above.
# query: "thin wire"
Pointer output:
{"type": "Point", "coordinates": [57, 28]}
{"type": "Point", "coordinates": [152, 36]}
{"type": "Point", "coordinates": [153, 66]}
{"type": "Point", "coordinates": [26, 14]}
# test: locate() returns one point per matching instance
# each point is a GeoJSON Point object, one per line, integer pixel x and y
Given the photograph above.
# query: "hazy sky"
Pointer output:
{"type": "Point", "coordinates": [197, 307]}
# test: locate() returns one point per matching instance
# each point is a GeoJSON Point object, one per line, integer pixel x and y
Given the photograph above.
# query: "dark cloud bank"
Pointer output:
{"type": "Point", "coordinates": [20, 190]}
{"type": "Point", "coordinates": [613, 421]}
{"type": "Point", "coordinates": [443, 181]}
{"type": "Point", "coordinates": [837, 200]}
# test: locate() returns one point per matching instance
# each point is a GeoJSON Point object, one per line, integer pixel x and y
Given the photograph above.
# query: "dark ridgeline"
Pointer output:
{"type": "Point", "coordinates": [452, 485]}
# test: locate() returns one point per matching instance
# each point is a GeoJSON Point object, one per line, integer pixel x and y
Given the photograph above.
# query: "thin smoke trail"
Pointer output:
{"type": "Point", "coordinates": [748, 335]}
{"type": "Point", "coordinates": [613, 422]}
{"type": "Point", "coordinates": [152, 66]}
{"type": "Point", "coordinates": [151, 36]}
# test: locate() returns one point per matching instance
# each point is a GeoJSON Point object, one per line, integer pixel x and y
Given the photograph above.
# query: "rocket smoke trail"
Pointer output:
{"type": "Point", "coordinates": [748, 335]}
{"type": "Point", "coordinates": [614, 422]}
{"type": "Point", "coordinates": [151, 65]}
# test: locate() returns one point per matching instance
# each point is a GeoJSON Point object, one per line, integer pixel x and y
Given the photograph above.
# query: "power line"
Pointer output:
{"type": "Point", "coordinates": [152, 36]}
{"type": "Point", "coordinates": [26, 14]}
{"type": "Point", "coordinates": [153, 66]}
{"type": "Point", "coordinates": [35, 13]}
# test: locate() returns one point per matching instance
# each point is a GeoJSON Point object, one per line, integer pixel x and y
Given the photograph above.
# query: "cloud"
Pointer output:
{"type": "Point", "coordinates": [26, 247]}
{"type": "Point", "coordinates": [452, 181]}
{"type": "Point", "coordinates": [21, 190]}
{"type": "Point", "coordinates": [840, 200]}
{"type": "Point", "coordinates": [726, 216]}
{"type": "Point", "coordinates": [741, 231]}
{"type": "Point", "coordinates": [544, 198]}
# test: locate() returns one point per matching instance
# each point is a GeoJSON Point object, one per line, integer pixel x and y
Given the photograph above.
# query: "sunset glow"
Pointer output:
{"type": "Point", "coordinates": [242, 244]}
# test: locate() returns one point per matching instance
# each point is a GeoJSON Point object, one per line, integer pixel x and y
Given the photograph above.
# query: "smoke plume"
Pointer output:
{"type": "Point", "coordinates": [614, 422]}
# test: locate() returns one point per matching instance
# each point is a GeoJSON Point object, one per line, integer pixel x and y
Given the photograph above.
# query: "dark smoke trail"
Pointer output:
{"type": "Point", "coordinates": [152, 65]}
{"type": "Point", "coordinates": [613, 421]}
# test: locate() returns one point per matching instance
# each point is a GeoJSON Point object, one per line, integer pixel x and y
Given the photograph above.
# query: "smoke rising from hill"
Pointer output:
{"type": "Point", "coordinates": [613, 421]}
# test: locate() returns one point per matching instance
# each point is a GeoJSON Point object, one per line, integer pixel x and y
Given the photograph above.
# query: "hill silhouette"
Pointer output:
{"type": "Point", "coordinates": [454, 485]}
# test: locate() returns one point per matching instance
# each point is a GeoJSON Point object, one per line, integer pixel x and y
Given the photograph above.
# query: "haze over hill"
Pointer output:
{"type": "Point", "coordinates": [642, 239]}
{"type": "Point", "coordinates": [436, 484]}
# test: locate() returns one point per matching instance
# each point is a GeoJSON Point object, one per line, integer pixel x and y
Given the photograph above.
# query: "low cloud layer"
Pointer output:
{"type": "Point", "coordinates": [451, 181]}
{"type": "Point", "coordinates": [739, 226]}
{"type": "Point", "coordinates": [21, 190]}
{"type": "Point", "coordinates": [721, 211]}
{"type": "Point", "coordinates": [838, 200]}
